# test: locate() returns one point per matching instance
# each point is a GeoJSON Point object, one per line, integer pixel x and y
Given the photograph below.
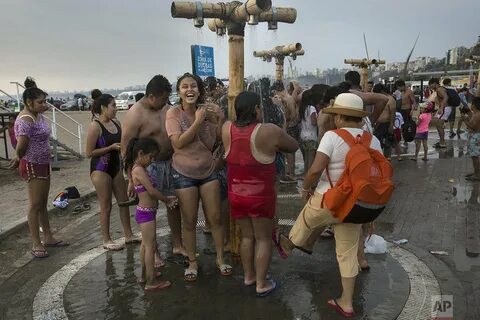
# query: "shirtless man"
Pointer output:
{"type": "Point", "coordinates": [384, 126]}
{"type": "Point", "coordinates": [281, 96]}
{"type": "Point", "coordinates": [147, 119]}
{"type": "Point", "coordinates": [408, 100]}
{"type": "Point", "coordinates": [443, 112]}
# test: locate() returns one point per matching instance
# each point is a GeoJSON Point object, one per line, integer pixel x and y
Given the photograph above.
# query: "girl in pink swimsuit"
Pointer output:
{"type": "Point", "coordinates": [140, 154]}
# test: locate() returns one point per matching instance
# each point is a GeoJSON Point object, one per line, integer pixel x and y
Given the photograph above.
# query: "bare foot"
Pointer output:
{"type": "Point", "coordinates": [142, 280]}
{"type": "Point", "coordinates": [158, 285]}
{"type": "Point", "coordinates": [179, 251]}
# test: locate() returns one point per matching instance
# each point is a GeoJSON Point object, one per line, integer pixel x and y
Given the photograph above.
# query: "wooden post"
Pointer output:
{"type": "Point", "coordinates": [279, 68]}
{"type": "Point", "coordinates": [363, 64]}
{"type": "Point", "coordinates": [364, 78]}
{"type": "Point", "coordinates": [235, 71]}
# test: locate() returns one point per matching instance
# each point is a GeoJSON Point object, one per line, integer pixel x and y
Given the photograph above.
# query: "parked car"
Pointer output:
{"type": "Point", "coordinates": [70, 105]}
{"type": "Point", "coordinates": [57, 103]}
{"type": "Point", "coordinates": [126, 100]}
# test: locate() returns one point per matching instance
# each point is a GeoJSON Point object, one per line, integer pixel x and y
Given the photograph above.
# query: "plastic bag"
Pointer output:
{"type": "Point", "coordinates": [375, 244]}
{"type": "Point", "coordinates": [61, 200]}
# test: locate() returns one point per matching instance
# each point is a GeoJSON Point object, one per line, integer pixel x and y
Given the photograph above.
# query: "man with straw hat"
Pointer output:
{"type": "Point", "coordinates": [348, 113]}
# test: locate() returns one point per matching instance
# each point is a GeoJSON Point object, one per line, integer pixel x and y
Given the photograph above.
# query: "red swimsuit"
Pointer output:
{"type": "Point", "coordinates": [251, 184]}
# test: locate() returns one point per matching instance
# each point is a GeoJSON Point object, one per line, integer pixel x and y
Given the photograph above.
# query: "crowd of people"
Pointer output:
{"type": "Point", "coordinates": [188, 152]}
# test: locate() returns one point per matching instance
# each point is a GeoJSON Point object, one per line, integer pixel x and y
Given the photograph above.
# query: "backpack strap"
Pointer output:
{"type": "Point", "coordinates": [365, 139]}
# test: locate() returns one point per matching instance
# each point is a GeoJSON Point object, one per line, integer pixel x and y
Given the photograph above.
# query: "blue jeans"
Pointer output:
{"type": "Point", "coordinates": [181, 182]}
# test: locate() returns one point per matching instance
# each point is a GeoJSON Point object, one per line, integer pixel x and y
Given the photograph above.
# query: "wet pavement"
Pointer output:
{"type": "Point", "coordinates": [433, 207]}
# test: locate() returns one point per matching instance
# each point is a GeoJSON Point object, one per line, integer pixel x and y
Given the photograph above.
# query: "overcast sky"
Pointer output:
{"type": "Point", "coordinates": [73, 45]}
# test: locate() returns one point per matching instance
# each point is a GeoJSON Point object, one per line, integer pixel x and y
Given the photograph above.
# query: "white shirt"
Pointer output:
{"type": "Point", "coordinates": [336, 149]}
{"type": "Point", "coordinates": [398, 122]}
{"type": "Point", "coordinates": [307, 130]}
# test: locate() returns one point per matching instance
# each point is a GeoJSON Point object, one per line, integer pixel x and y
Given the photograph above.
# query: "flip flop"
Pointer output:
{"type": "Point", "coordinates": [269, 291]}
{"type": "Point", "coordinates": [225, 269]}
{"type": "Point", "coordinates": [85, 206]}
{"type": "Point", "coordinates": [276, 241]}
{"type": "Point", "coordinates": [339, 309]}
{"type": "Point", "coordinates": [159, 264]}
{"type": "Point", "coordinates": [158, 274]}
{"type": "Point", "coordinates": [133, 240]}
{"type": "Point", "coordinates": [113, 246]}
{"type": "Point", "coordinates": [39, 253]}
{"type": "Point", "coordinates": [58, 244]}
{"type": "Point", "coordinates": [159, 286]}
{"type": "Point", "coordinates": [77, 209]}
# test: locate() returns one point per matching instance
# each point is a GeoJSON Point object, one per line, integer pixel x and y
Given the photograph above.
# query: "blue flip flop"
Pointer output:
{"type": "Point", "coordinates": [268, 292]}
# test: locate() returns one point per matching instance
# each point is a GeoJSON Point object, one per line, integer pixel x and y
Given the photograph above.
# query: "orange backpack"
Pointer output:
{"type": "Point", "coordinates": [367, 178]}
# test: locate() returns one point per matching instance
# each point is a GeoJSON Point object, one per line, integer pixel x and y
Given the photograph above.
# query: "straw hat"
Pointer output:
{"type": "Point", "coordinates": [347, 104]}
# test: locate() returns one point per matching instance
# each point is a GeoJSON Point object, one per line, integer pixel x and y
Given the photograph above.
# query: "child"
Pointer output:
{"type": "Point", "coordinates": [421, 136]}
{"type": "Point", "coordinates": [140, 154]}
{"type": "Point", "coordinates": [472, 121]}
{"type": "Point", "coordinates": [397, 132]}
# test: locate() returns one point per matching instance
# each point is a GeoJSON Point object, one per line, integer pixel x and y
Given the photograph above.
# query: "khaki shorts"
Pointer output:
{"type": "Point", "coordinates": [347, 235]}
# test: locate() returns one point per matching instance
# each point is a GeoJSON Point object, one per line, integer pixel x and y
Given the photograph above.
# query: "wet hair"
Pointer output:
{"type": "Point", "coordinates": [434, 81]}
{"type": "Point", "coordinates": [245, 108]}
{"type": "Point", "coordinates": [210, 83]}
{"type": "Point", "coordinates": [353, 77]}
{"type": "Point", "coordinates": [33, 93]}
{"type": "Point", "coordinates": [95, 94]}
{"type": "Point", "coordinates": [157, 86]}
{"type": "Point", "coordinates": [29, 83]}
{"type": "Point", "coordinates": [379, 88]}
{"type": "Point", "coordinates": [198, 80]}
{"type": "Point", "coordinates": [305, 103]}
{"type": "Point", "coordinates": [344, 86]}
{"type": "Point", "coordinates": [103, 100]}
{"type": "Point", "coordinates": [139, 96]}
{"type": "Point", "coordinates": [476, 103]}
{"type": "Point", "coordinates": [447, 82]}
{"type": "Point", "coordinates": [318, 93]}
{"type": "Point", "coordinates": [370, 82]}
{"type": "Point", "coordinates": [399, 83]}
{"type": "Point", "coordinates": [332, 93]}
{"type": "Point", "coordinates": [278, 86]}
{"type": "Point", "coordinates": [146, 145]}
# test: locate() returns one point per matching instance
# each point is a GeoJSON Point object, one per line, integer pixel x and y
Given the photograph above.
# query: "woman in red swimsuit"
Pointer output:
{"type": "Point", "coordinates": [250, 149]}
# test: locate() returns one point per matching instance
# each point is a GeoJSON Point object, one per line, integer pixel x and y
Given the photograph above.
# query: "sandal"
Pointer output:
{"type": "Point", "coordinates": [39, 253]}
{"type": "Point", "coordinates": [191, 274]}
{"type": "Point", "coordinates": [58, 244]}
{"type": "Point", "coordinates": [225, 269]}
{"type": "Point", "coordinates": [276, 242]}
{"type": "Point", "coordinates": [77, 209]}
{"type": "Point", "coordinates": [113, 246]}
{"type": "Point", "coordinates": [85, 206]}
{"type": "Point", "coordinates": [158, 274]}
{"type": "Point", "coordinates": [158, 286]}
{"type": "Point", "coordinates": [334, 305]}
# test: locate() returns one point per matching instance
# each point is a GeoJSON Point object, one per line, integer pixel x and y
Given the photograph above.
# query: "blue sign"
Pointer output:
{"type": "Point", "coordinates": [202, 61]}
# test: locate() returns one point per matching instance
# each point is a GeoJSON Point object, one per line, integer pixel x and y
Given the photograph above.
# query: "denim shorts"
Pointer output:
{"type": "Point", "coordinates": [181, 182]}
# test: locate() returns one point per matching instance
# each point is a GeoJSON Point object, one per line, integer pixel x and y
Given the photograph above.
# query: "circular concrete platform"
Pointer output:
{"type": "Point", "coordinates": [106, 288]}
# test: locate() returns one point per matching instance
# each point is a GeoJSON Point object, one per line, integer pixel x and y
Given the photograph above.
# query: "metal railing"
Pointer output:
{"type": "Point", "coordinates": [54, 123]}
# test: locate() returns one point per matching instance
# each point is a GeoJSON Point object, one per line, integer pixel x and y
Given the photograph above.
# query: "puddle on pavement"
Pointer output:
{"type": "Point", "coordinates": [107, 288]}
{"type": "Point", "coordinates": [468, 193]}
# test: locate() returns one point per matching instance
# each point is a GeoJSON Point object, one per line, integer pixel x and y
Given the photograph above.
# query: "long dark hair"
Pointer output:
{"type": "Point", "coordinates": [200, 86]}
{"type": "Point", "coordinates": [245, 108]}
{"type": "Point", "coordinates": [102, 100]}
{"type": "Point", "coordinates": [146, 145]}
{"type": "Point", "coordinates": [306, 101]}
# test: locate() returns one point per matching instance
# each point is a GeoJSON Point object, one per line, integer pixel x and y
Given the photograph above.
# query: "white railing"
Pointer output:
{"type": "Point", "coordinates": [55, 125]}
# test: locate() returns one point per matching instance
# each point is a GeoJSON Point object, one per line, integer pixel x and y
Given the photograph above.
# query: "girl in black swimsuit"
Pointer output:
{"type": "Point", "coordinates": [103, 147]}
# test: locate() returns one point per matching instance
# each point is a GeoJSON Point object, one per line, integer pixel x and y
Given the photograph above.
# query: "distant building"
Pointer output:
{"type": "Point", "coordinates": [454, 55]}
